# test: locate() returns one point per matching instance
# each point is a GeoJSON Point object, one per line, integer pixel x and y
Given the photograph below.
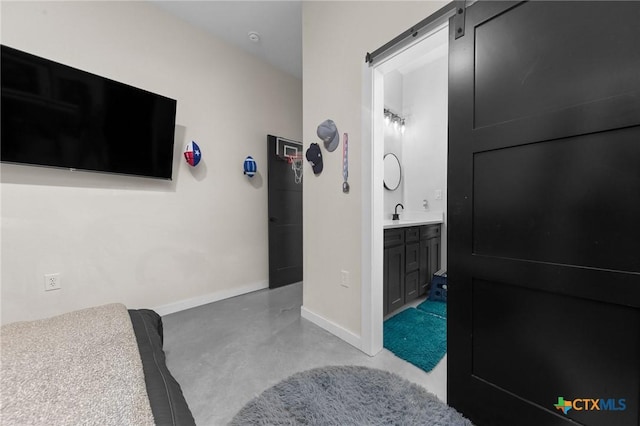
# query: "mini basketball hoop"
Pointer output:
{"type": "Point", "coordinates": [296, 165]}
{"type": "Point", "coordinates": [291, 152]}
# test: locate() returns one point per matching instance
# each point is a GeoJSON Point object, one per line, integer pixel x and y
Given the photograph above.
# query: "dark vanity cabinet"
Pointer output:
{"type": "Point", "coordinates": [411, 256]}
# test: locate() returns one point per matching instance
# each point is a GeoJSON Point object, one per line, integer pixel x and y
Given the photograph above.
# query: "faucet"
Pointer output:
{"type": "Point", "coordinates": [396, 216]}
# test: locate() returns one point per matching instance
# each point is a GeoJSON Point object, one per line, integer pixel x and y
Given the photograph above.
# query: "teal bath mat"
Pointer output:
{"type": "Point", "coordinates": [437, 308]}
{"type": "Point", "coordinates": [417, 337]}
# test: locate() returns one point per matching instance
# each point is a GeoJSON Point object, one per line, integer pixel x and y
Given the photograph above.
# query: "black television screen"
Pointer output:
{"type": "Point", "coordinates": [59, 116]}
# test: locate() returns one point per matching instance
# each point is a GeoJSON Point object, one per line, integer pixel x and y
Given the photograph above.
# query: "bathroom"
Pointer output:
{"type": "Point", "coordinates": [415, 203]}
{"type": "Point", "coordinates": [416, 92]}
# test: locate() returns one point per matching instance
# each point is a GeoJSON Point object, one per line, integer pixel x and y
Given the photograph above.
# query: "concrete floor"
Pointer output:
{"type": "Point", "coordinates": [226, 353]}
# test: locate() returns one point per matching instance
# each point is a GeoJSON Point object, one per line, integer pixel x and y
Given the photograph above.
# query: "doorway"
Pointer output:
{"type": "Point", "coordinates": [284, 162]}
{"type": "Point", "coordinates": [405, 60]}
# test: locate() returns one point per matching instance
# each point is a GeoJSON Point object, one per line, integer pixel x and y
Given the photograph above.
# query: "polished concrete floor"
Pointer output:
{"type": "Point", "coordinates": [226, 353]}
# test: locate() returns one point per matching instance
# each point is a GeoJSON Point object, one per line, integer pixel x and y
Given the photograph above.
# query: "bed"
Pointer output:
{"type": "Point", "coordinates": [98, 366]}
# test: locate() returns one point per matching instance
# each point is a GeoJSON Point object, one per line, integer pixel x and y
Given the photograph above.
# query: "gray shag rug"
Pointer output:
{"type": "Point", "coordinates": [348, 395]}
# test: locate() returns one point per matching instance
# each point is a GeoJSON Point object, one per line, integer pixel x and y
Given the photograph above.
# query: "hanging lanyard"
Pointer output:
{"type": "Point", "coordinates": [345, 162]}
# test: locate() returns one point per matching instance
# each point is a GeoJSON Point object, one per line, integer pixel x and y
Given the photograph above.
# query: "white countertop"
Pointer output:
{"type": "Point", "coordinates": [414, 219]}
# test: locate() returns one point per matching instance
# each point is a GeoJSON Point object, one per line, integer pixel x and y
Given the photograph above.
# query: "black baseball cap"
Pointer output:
{"type": "Point", "coordinates": [314, 156]}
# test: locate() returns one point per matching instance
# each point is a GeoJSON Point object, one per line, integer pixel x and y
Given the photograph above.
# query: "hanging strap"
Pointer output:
{"type": "Point", "coordinates": [345, 156]}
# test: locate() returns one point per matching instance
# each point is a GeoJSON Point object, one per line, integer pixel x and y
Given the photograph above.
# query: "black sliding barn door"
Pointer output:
{"type": "Point", "coordinates": [544, 214]}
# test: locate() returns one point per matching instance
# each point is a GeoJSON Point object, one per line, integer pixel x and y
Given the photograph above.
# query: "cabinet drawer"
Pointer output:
{"type": "Point", "coordinates": [429, 231]}
{"type": "Point", "coordinates": [412, 235]}
{"type": "Point", "coordinates": [393, 237]}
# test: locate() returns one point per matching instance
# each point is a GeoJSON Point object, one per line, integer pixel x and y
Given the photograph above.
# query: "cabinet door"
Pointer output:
{"type": "Point", "coordinates": [429, 261]}
{"type": "Point", "coordinates": [411, 286]}
{"type": "Point", "coordinates": [395, 277]}
{"type": "Point", "coordinates": [434, 255]}
{"type": "Point", "coordinates": [425, 266]}
{"type": "Point", "coordinates": [412, 257]}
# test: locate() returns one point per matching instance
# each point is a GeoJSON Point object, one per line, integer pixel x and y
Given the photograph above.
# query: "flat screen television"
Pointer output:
{"type": "Point", "coordinates": [58, 116]}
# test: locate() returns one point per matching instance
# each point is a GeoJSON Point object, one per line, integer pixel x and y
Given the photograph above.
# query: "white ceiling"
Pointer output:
{"type": "Point", "coordinates": [279, 24]}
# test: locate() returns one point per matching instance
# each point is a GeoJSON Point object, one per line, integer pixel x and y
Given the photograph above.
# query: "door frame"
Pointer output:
{"type": "Point", "coordinates": [372, 173]}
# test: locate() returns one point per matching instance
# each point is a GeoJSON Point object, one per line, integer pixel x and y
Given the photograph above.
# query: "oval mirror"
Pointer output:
{"type": "Point", "coordinates": [392, 172]}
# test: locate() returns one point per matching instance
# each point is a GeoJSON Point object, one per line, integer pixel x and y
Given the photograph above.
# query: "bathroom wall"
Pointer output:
{"type": "Point", "coordinates": [425, 139]}
{"type": "Point", "coordinates": [419, 93]}
{"type": "Point", "coordinates": [424, 145]}
{"type": "Point", "coordinates": [393, 138]}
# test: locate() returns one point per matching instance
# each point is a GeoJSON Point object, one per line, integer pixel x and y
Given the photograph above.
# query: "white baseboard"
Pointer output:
{"type": "Point", "coordinates": [331, 327]}
{"type": "Point", "coordinates": [181, 305]}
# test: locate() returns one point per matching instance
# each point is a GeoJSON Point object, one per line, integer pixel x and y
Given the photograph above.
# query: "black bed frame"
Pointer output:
{"type": "Point", "coordinates": [165, 395]}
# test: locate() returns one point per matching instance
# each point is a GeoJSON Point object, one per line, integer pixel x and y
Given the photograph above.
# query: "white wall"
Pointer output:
{"type": "Point", "coordinates": [393, 137]}
{"type": "Point", "coordinates": [425, 142]}
{"type": "Point", "coordinates": [145, 243]}
{"type": "Point", "coordinates": [336, 37]}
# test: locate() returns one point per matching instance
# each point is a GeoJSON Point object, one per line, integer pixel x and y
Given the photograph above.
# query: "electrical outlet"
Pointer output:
{"type": "Point", "coordinates": [51, 282]}
{"type": "Point", "coordinates": [345, 279]}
